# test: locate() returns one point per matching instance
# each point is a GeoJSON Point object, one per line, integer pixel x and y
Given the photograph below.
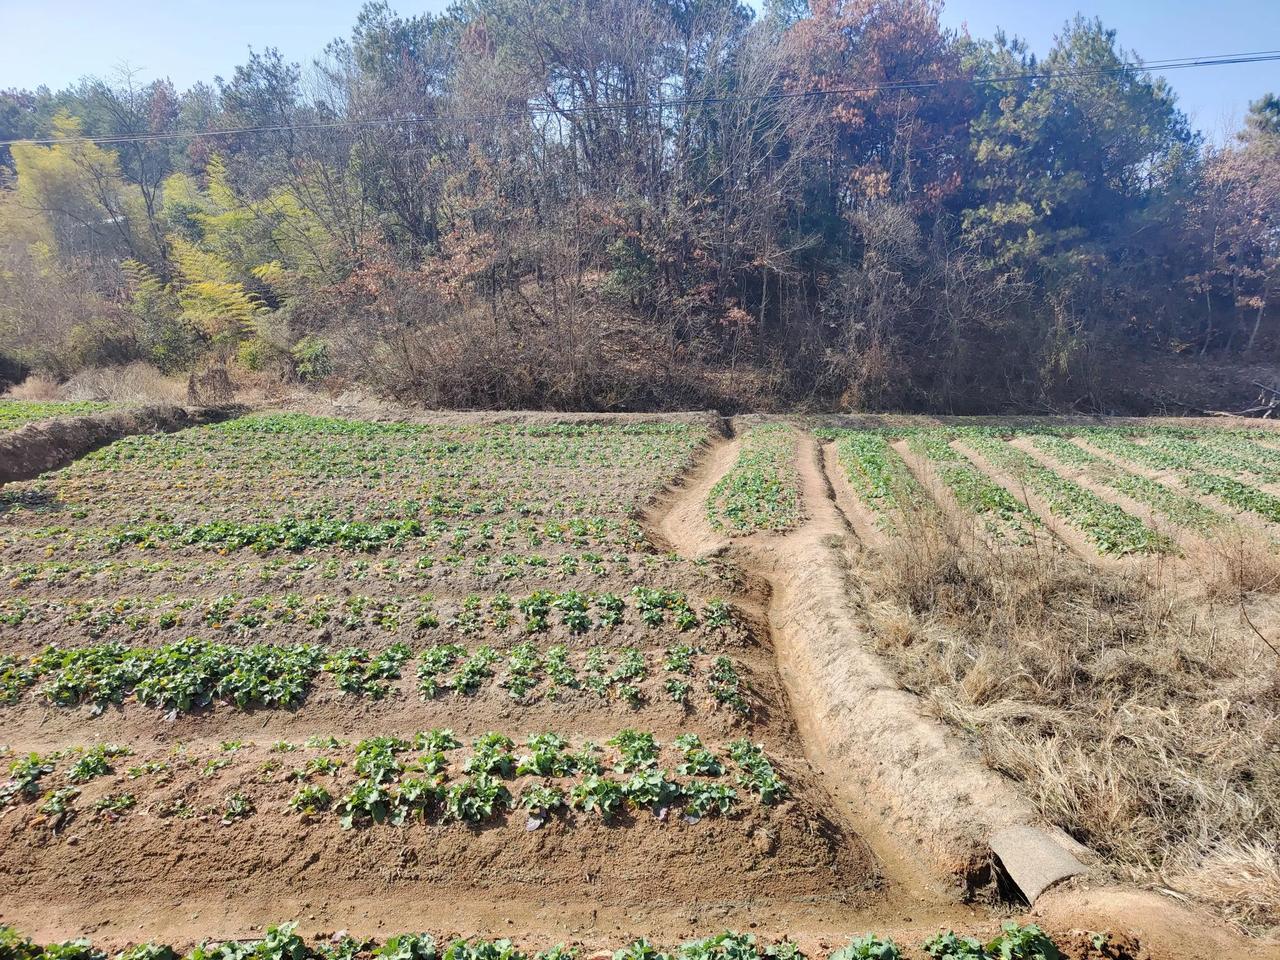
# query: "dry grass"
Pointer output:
{"type": "Point", "coordinates": [1239, 563]}
{"type": "Point", "coordinates": [134, 383]}
{"type": "Point", "coordinates": [36, 389]}
{"type": "Point", "coordinates": [1141, 716]}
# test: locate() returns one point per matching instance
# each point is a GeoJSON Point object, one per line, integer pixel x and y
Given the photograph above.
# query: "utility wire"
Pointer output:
{"type": "Point", "coordinates": [1176, 63]}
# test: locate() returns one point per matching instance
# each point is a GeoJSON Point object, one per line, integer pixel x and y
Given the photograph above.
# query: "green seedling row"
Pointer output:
{"type": "Point", "coordinates": [1109, 528]}
{"type": "Point", "coordinates": [281, 942]}
{"type": "Point", "coordinates": [573, 611]}
{"type": "Point", "coordinates": [1181, 510]}
{"type": "Point", "coordinates": [1231, 491]}
{"type": "Point", "coordinates": [17, 413]}
{"type": "Point", "coordinates": [427, 777]}
{"type": "Point", "coordinates": [761, 491]}
{"type": "Point", "coordinates": [192, 674]}
{"type": "Point", "coordinates": [878, 475]}
{"type": "Point", "coordinates": [1007, 517]}
{"type": "Point", "coordinates": [1216, 451]}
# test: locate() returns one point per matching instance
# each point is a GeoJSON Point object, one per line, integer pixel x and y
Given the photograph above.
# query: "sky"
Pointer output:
{"type": "Point", "coordinates": [55, 42]}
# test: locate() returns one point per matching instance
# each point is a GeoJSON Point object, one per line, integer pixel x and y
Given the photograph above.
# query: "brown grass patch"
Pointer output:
{"type": "Point", "coordinates": [1239, 563]}
{"type": "Point", "coordinates": [1139, 715]}
{"type": "Point", "coordinates": [134, 383]}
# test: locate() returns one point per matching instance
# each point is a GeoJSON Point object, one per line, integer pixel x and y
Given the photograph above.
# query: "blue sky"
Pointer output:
{"type": "Point", "coordinates": [56, 41]}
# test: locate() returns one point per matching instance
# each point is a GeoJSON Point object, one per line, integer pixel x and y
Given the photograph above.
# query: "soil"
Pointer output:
{"type": "Point", "coordinates": [766, 855]}
{"type": "Point", "coordinates": [148, 875]}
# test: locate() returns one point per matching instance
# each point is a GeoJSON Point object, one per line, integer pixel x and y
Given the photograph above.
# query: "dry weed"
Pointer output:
{"type": "Point", "coordinates": [1239, 563]}
{"type": "Point", "coordinates": [37, 389]}
{"type": "Point", "coordinates": [134, 383]}
{"type": "Point", "coordinates": [1139, 717]}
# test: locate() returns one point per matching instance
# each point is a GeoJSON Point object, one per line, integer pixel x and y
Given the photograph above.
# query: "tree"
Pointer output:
{"type": "Point", "coordinates": [1238, 220]}
{"type": "Point", "coordinates": [1068, 164]}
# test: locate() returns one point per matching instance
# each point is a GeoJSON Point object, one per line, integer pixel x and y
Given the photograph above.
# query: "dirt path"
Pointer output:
{"type": "Point", "coordinates": [924, 803]}
{"type": "Point", "coordinates": [679, 521]}
{"type": "Point", "coordinates": [861, 521]}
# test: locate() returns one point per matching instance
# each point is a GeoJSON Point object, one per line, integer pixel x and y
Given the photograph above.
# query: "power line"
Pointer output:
{"type": "Point", "coordinates": [1176, 63]}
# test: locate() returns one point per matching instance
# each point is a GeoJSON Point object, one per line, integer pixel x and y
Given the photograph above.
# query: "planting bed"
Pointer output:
{"type": "Point", "coordinates": [17, 413]}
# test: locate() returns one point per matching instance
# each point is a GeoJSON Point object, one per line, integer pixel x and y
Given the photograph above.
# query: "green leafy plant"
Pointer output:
{"type": "Point", "coordinates": [477, 799]}
{"type": "Point", "coordinates": [599, 795]}
{"type": "Point", "coordinates": [869, 947]}
{"type": "Point", "coordinates": [310, 800]}
{"type": "Point", "coordinates": [408, 946]}
{"type": "Point", "coordinates": [236, 807]}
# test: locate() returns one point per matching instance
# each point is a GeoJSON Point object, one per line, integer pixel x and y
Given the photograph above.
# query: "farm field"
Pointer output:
{"type": "Point", "coordinates": [17, 413]}
{"type": "Point", "coordinates": [545, 678]}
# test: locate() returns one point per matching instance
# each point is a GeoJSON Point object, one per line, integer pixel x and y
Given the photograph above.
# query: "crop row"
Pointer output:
{"type": "Point", "coordinates": [15, 413]}
{"type": "Point", "coordinates": [1006, 516]}
{"type": "Point", "coordinates": [289, 572]}
{"type": "Point", "coordinates": [761, 491]}
{"type": "Point", "coordinates": [1239, 495]}
{"type": "Point", "coordinates": [1212, 450]}
{"type": "Point", "coordinates": [281, 942]}
{"type": "Point", "coordinates": [459, 470]}
{"type": "Point", "coordinates": [329, 448]}
{"type": "Point", "coordinates": [452, 668]}
{"type": "Point", "coordinates": [324, 530]}
{"type": "Point", "coordinates": [575, 611]}
{"type": "Point", "coordinates": [395, 780]}
{"type": "Point", "coordinates": [191, 674]}
{"type": "Point", "coordinates": [877, 474]}
{"type": "Point", "coordinates": [1108, 527]}
{"type": "Point", "coordinates": [1259, 444]}
{"type": "Point", "coordinates": [490, 498]}
{"type": "Point", "coordinates": [1183, 511]}
{"type": "Point", "coordinates": [1231, 491]}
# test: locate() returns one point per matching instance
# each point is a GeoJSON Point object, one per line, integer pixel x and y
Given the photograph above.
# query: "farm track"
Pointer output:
{"type": "Point", "coordinates": [923, 802]}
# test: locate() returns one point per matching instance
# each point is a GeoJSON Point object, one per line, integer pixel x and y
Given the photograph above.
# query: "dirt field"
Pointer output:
{"type": "Point", "coordinates": [585, 679]}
